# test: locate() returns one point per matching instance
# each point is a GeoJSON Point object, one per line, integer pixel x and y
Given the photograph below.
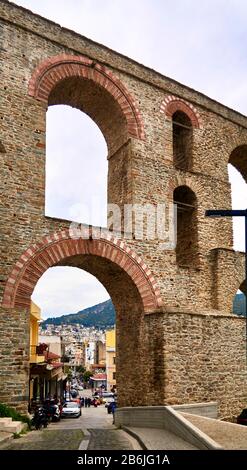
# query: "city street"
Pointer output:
{"type": "Point", "coordinates": [93, 431]}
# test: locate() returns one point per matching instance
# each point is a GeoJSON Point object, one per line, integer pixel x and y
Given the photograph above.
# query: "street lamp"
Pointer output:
{"type": "Point", "coordinates": [235, 213]}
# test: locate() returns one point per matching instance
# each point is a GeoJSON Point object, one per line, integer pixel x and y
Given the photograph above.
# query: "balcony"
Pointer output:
{"type": "Point", "coordinates": [36, 355]}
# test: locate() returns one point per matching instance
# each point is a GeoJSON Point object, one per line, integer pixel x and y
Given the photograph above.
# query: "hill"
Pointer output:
{"type": "Point", "coordinates": [239, 304]}
{"type": "Point", "coordinates": [100, 316]}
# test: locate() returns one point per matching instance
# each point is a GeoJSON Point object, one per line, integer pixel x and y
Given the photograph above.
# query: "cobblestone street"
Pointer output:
{"type": "Point", "coordinates": [47, 440]}
{"type": "Point", "coordinates": [93, 430]}
{"type": "Point", "coordinates": [109, 440]}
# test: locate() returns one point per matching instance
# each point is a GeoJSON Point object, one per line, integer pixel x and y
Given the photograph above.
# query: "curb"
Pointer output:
{"type": "Point", "coordinates": [136, 436]}
{"type": "Point", "coordinates": [5, 439]}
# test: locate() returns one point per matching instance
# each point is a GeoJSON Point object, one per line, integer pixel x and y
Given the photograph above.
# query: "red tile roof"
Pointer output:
{"type": "Point", "coordinates": [99, 377]}
{"type": "Point", "coordinates": [50, 355]}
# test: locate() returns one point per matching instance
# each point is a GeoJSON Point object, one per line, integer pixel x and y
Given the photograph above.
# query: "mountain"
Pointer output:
{"type": "Point", "coordinates": [239, 304]}
{"type": "Point", "coordinates": [100, 316]}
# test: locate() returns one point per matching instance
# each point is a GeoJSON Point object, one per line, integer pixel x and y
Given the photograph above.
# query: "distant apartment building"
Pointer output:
{"type": "Point", "coordinates": [100, 353]}
{"type": "Point", "coordinates": [79, 356]}
{"type": "Point", "coordinates": [46, 371]}
{"type": "Point", "coordinates": [53, 342]}
{"type": "Point", "coordinates": [111, 358]}
{"type": "Point", "coordinates": [90, 348]}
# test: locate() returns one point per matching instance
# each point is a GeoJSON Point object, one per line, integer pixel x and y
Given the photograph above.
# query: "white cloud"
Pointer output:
{"type": "Point", "coordinates": [76, 167]}
{"type": "Point", "coordinates": [64, 290]}
{"type": "Point", "coordinates": [200, 44]}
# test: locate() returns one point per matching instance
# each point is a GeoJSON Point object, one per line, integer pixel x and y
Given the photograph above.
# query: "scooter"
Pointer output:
{"type": "Point", "coordinates": [40, 418]}
{"type": "Point", "coordinates": [53, 411]}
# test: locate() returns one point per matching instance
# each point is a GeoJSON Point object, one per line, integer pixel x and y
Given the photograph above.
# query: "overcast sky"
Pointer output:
{"type": "Point", "coordinates": [201, 44]}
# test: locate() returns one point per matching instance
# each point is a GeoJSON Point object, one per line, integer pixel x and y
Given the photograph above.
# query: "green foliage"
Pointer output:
{"type": "Point", "coordinates": [80, 369]}
{"type": "Point", "coordinates": [100, 316]}
{"type": "Point", "coordinates": [16, 435]}
{"type": "Point", "coordinates": [7, 412]}
{"type": "Point", "coordinates": [87, 375]}
{"type": "Point", "coordinates": [69, 375]}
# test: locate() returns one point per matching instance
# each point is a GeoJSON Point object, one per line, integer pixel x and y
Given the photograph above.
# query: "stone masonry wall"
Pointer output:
{"type": "Point", "coordinates": [199, 358]}
{"type": "Point", "coordinates": [133, 106]}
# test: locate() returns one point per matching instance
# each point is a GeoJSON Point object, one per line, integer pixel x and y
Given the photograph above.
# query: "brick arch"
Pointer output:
{"type": "Point", "coordinates": [53, 249]}
{"type": "Point", "coordinates": [184, 180]}
{"type": "Point", "coordinates": [171, 104]}
{"type": "Point", "coordinates": [54, 69]}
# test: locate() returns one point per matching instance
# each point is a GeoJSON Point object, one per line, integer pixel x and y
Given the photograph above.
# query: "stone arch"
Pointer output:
{"type": "Point", "coordinates": [171, 104]}
{"type": "Point", "coordinates": [53, 249]}
{"type": "Point", "coordinates": [185, 180]}
{"type": "Point", "coordinates": [56, 69]}
{"type": "Point", "coordinates": [238, 159]}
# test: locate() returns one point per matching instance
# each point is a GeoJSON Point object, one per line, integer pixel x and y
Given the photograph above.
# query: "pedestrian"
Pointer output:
{"type": "Point", "coordinates": [113, 409]}
{"type": "Point", "coordinates": [86, 402]}
{"type": "Point", "coordinates": [82, 402]}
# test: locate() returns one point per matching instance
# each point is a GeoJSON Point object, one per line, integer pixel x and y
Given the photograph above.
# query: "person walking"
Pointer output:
{"type": "Point", "coordinates": [113, 409]}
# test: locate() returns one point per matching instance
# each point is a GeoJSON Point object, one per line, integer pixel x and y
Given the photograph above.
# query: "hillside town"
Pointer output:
{"type": "Point", "coordinates": [58, 354]}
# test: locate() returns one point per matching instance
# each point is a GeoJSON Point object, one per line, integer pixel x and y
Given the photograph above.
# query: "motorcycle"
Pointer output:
{"type": "Point", "coordinates": [53, 411]}
{"type": "Point", "coordinates": [39, 419]}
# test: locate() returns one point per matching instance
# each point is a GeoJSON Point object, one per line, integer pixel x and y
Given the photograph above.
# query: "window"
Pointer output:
{"type": "Point", "coordinates": [182, 140]}
{"type": "Point", "coordinates": [187, 246]}
{"type": "Point", "coordinates": [114, 359]}
{"type": "Point", "coordinates": [114, 375]}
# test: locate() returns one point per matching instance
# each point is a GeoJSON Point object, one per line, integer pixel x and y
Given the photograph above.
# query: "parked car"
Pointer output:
{"type": "Point", "coordinates": [242, 418]}
{"type": "Point", "coordinates": [107, 397]}
{"type": "Point", "coordinates": [71, 409]}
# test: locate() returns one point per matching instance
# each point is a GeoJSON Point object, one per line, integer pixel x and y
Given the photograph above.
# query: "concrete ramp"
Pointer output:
{"type": "Point", "coordinates": [158, 439]}
{"type": "Point", "coordinates": [228, 435]}
{"type": "Point", "coordinates": [167, 425]}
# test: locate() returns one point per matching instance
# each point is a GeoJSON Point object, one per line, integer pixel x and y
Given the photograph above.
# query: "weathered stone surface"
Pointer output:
{"type": "Point", "coordinates": [177, 340]}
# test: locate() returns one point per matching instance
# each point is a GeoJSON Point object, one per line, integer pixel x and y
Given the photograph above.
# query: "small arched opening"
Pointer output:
{"type": "Point", "coordinates": [182, 132]}
{"type": "Point", "coordinates": [187, 236]}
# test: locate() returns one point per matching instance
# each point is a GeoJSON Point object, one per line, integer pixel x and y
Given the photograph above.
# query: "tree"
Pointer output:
{"type": "Point", "coordinates": [80, 369]}
{"type": "Point", "coordinates": [87, 375]}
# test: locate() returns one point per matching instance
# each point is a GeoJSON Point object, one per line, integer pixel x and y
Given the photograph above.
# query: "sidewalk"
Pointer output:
{"type": "Point", "coordinates": [158, 439]}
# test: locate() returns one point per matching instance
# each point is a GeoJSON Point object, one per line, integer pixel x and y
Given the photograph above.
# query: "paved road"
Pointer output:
{"type": "Point", "coordinates": [93, 430]}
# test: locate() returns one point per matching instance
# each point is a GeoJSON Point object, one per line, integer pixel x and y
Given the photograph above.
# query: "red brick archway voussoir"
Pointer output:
{"type": "Point", "coordinates": [55, 248]}
{"type": "Point", "coordinates": [172, 103]}
{"type": "Point", "coordinates": [57, 68]}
